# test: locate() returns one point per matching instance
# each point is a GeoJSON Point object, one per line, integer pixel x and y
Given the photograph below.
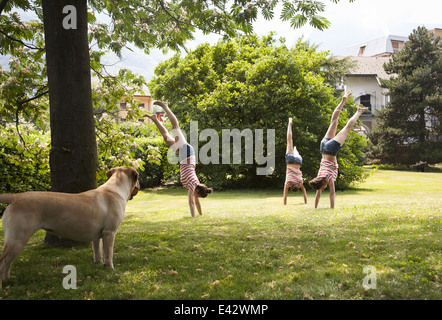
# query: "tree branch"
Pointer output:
{"type": "Point", "coordinates": [17, 128]}
{"type": "Point", "coordinates": [185, 24]}
{"type": "Point", "coordinates": [161, 2]}
{"type": "Point", "coordinates": [19, 41]}
{"type": "Point", "coordinates": [3, 5]}
{"type": "Point", "coordinates": [100, 75]}
{"type": "Point", "coordinates": [19, 107]}
{"type": "Point", "coordinates": [33, 98]}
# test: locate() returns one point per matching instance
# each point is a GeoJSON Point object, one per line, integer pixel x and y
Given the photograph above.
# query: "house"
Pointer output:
{"type": "Point", "coordinates": [384, 46]}
{"type": "Point", "coordinates": [437, 32]}
{"type": "Point", "coordinates": [145, 104]}
{"type": "Point", "coordinates": [364, 78]}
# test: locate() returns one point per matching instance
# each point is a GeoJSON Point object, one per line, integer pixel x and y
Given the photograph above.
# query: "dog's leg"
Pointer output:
{"type": "Point", "coordinates": [10, 252]}
{"type": "Point", "coordinates": [18, 229]}
{"type": "Point", "coordinates": [108, 248]}
{"type": "Point", "coordinates": [96, 248]}
{"type": "Point", "coordinates": [3, 272]}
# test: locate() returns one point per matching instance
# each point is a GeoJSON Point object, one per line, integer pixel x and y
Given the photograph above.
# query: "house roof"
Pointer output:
{"type": "Point", "coordinates": [369, 66]}
{"type": "Point", "coordinates": [378, 46]}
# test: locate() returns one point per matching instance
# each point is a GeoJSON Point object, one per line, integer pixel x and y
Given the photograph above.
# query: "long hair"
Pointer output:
{"type": "Point", "coordinates": [293, 186]}
{"type": "Point", "coordinates": [202, 190]}
{"type": "Point", "coordinates": [318, 182]}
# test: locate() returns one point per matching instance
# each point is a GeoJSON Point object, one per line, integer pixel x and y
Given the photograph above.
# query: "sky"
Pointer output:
{"type": "Point", "coordinates": [362, 20]}
{"type": "Point", "coordinates": [351, 23]}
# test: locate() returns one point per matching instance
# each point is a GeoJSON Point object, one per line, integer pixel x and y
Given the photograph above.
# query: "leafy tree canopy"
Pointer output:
{"type": "Point", "coordinates": [146, 24]}
{"type": "Point", "coordinates": [114, 25]}
{"type": "Point", "coordinates": [410, 127]}
{"type": "Point", "coordinates": [253, 83]}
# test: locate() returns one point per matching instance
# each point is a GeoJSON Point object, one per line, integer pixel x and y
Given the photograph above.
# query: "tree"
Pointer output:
{"type": "Point", "coordinates": [252, 83]}
{"type": "Point", "coordinates": [410, 127]}
{"type": "Point", "coordinates": [73, 157]}
{"type": "Point", "coordinates": [146, 24]}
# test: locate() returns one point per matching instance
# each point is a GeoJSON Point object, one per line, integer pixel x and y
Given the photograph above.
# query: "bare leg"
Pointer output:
{"type": "Point", "coordinates": [170, 115]}
{"type": "Point", "coordinates": [166, 136]}
{"type": "Point", "coordinates": [174, 121]}
{"type": "Point", "coordinates": [289, 138]}
{"type": "Point", "coordinates": [331, 132]}
{"type": "Point", "coordinates": [343, 134]}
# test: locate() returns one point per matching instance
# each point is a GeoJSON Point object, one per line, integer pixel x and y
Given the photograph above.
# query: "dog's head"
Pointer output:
{"type": "Point", "coordinates": [131, 174]}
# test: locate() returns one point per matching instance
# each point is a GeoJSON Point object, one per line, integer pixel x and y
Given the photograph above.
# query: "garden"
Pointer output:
{"type": "Point", "coordinates": [249, 246]}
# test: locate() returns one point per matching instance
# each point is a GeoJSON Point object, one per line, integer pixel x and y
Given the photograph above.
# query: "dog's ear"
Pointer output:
{"type": "Point", "coordinates": [134, 174]}
{"type": "Point", "coordinates": [110, 172]}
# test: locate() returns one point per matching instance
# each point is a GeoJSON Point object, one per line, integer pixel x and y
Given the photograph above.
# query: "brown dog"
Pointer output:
{"type": "Point", "coordinates": [93, 215]}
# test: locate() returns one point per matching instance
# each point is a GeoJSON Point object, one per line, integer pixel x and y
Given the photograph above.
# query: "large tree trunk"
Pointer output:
{"type": "Point", "coordinates": [73, 157]}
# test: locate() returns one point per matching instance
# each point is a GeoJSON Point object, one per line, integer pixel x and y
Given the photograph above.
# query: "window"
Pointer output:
{"type": "Point", "coordinates": [361, 51]}
{"type": "Point", "coordinates": [397, 45]}
{"type": "Point", "coordinates": [365, 101]}
{"type": "Point", "coordinates": [123, 105]}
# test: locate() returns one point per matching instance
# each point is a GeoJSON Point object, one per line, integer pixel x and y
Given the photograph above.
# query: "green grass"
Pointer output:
{"type": "Point", "coordinates": [247, 245]}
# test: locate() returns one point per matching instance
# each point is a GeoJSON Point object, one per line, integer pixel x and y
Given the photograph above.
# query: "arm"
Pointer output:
{"type": "Point", "coordinates": [318, 195]}
{"type": "Point", "coordinates": [305, 194]}
{"type": "Point", "coordinates": [331, 185]}
{"type": "Point", "coordinates": [191, 204]}
{"type": "Point", "coordinates": [198, 205]}
{"type": "Point", "coordinates": [285, 194]}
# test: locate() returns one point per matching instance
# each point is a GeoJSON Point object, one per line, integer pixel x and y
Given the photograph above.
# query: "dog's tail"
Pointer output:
{"type": "Point", "coordinates": [6, 197]}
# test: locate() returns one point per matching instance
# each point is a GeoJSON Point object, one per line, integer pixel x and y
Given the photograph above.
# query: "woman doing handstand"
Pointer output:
{"type": "Point", "coordinates": [186, 156]}
{"type": "Point", "coordinates": [330, 146]}
{"type": "Point", "coordinates": [293, 177]}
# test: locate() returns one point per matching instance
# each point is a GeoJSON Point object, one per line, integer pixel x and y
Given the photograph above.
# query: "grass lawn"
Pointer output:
{"type": "Point", "coordinates": [247, 245]}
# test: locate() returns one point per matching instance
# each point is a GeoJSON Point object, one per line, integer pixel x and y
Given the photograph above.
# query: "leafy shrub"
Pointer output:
{"type": "Point", "coordinates": [24, 164]}
{"type": "Point", "coordinates": [24, 161]}
{"type": "Point", "coordinates": [150, 148]}
{"type": "Point", "coordinates": [149, 152]}
{"type": "Point", "coordinates": [251, 83]}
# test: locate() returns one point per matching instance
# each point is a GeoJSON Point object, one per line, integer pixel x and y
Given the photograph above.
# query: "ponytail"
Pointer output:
{"type": "Point", "coordinates": [202, 190]}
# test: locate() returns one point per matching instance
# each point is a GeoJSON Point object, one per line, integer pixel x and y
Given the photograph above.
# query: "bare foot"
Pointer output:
{"type": "Point", "coordinates": [150, 116]}
{"type": "Point", "coordinates": [347, 95]}
{"type": "Point", "coordinates": [161, 104]}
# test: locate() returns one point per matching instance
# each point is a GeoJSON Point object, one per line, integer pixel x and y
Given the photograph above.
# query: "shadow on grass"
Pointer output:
{"type": "Point", "coordinates": [218, 194]}
{"type": "Point", "coordinates": [356, 190]}
{"type": "Point", "coordinates": [264, 256]}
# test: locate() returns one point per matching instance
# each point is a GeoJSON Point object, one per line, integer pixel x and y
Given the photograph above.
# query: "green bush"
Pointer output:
{"type": "Point", "coordinates": [24, 161]}
{"type": "Point", "coordinates": [152, 150]}
{"type": "Point", "coordinates": [24, 164]}
{"type": "Point", "coordinates": [252, 83]}
{"type": "Point", "coordinates": [149, 152]}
